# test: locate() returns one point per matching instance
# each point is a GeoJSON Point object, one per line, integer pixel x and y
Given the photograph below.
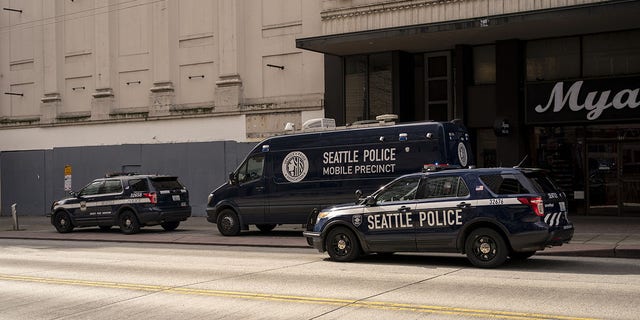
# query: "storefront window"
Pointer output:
{"type": "Point", "coordinates": [553, 59]}
{"type": "Point", "coordinates": [612, 53]}
{"type": "Point", "coordinates": [355, 88]}
{"type": "Point", "coordinates": [368, 86]}
{"type": "Point", "coordinates": [380, 85]}
{"type": "Point", "coordinates": [484, 64]}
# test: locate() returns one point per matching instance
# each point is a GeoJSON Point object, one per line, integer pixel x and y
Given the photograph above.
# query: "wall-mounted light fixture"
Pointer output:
{"type": "Point", "coordinates": [78, 88]}
{"type": "Point", "coordinates": [14, 10]}
{"type": "Point", "coordinates": [200, 76]}
{"type": "Point", "coordinates": [132, 82]}
{"type": "Point", "coordinates": [275, 66]}
{"type": "Point", "coordinates": [14, 94]}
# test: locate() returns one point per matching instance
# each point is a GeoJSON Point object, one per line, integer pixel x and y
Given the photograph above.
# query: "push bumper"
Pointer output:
{"type": "Point", "coordinates": [314, 239]}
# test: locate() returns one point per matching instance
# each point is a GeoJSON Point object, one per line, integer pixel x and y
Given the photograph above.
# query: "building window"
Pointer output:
{"type": "Point", "coordinates": [368, 86]}
{"type": "Point", "coordinates": [438, 86]}
{"type": "Point", "coordinates": [611, 53]}
{"type": "Point", "coordinates": [484, 64]}
{"type": "Point", "coordinates": [553, 59]}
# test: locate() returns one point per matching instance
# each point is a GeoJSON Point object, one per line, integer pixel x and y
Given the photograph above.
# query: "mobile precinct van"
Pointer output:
{"type": "Point", "coordinates": [284, 178]}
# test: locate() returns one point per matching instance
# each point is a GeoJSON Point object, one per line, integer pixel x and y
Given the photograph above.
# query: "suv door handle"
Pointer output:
{"type": "Point", "coordinates": [463, 205]}
{"type": "Point", "coordinates": [259, 188]}
{"type": "Point", "coordinates": [403, 209]}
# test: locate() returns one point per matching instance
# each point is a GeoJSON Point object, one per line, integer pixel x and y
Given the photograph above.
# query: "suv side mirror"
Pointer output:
{"type": "Point", "coordinates": [73, 193]}
{"type": "Point", "coordinates": [369, 201]}
{"type": "Point", "coordinates": [358, 194]}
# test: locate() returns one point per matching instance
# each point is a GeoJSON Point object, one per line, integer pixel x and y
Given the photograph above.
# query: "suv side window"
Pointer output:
{"type": "Point", "coordinates": [445, 187]}
{"type": "Point", "coordinates": [401, 190]}
{"type": "Point", "coordinates": [112, 186]}
{"type": "Point", "coordinates": [251, 169]}
{"type": "Point", "coordinates": [139, 185]}
{"type": "Point", "coordinates": [503, 184]}
{"type": "Point", "coordinates": [91, 189]}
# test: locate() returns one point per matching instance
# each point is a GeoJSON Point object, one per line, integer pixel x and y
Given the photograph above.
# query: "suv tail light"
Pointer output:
{"type": "Point", "coordinates": [535, 203]}
{"type": "Point", "coordinates": [151, 196]}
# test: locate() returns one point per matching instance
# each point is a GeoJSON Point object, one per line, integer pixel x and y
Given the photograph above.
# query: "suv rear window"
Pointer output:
{"type": "Point", "coordinates": [503, 184]}
{"type": "Point", "coordinates": [166, 183]}
{"type": "Point", "coordinates": [542, 182]}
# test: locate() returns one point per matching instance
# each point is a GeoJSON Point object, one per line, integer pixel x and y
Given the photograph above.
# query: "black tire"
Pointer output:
{"type": "Point", "coordinates": [170, 226]}
{"type": "Point", "coordinates": [129, 223]}
{"type": "Point", "coordinates": [228, 223]}
{"type": "Point", "coordinates": [265, 227]}
{"type": "Point", "coordinates": [62, 222]}
{"type": "Point", "coordinates": [519, 256]}
{"type": "Point", "coordinates": [105, 228]}
{"type": "Point", "coordinates": [486, 248]}
{"type": "Point", "coordinates": [342, 245]}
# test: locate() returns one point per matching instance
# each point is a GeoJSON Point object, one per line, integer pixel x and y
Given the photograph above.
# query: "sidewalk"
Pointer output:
{"type": "Point", "coordinates": [595, 236]}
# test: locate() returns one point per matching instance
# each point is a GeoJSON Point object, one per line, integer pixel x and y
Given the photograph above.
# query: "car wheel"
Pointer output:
{"type": "Point", "coordinates": [105, 228]}
{"type": "Point", "coordinates": [486, 248]}
{"type": "Point", "coordinates": [265, 227]}
{"type": "Point", "coordinates": [521, 255]}
{"type": "Point", "coordinates": [228, 223]}
{"type": "Point", "coordinates": [170, 226]}
{"type": "Point", "coordinates": [129, 223]}
{"type": "Point", "coordinates": [62, 222]}
{"type": "Point", "coordinates": [342, 245]}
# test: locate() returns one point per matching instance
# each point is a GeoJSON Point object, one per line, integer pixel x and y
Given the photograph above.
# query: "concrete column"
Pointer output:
{"type": "Point", "coordinates": [162, 93]}
{"type": "Point", "coordinates": [103, 100]}
{"type": "Point", "coordinates": [230, 34]}
{"type": "Point", "coordinates": [51, 102]}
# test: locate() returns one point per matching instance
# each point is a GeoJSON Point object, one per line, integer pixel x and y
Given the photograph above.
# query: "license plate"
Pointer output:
{"type": "Point", "coordinates": [176, 197]}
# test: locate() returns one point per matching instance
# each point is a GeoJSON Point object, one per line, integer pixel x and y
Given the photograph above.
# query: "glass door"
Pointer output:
{"type": "Point", "coordinates": [630, 179]}
{"type": "Point", "coordinates": [602, 166]}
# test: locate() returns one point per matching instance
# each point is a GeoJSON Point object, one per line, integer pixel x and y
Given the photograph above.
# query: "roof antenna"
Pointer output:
{"type": "Point", "coordinates": [521, 162]}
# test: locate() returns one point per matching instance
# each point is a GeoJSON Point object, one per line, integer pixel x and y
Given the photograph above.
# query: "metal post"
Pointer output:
{"type": "Point", "coordinates": [14, 215]}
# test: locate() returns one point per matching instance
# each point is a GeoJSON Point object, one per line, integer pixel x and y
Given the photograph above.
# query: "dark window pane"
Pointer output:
{"type": "Point", "coordinates": [355, 88]}
{"type": "Point", "coordinates": [438, 112]}
{"type": "Point", "coordinates": [437, 66]}
{"type": "Point", "coordinates": [438, 90]}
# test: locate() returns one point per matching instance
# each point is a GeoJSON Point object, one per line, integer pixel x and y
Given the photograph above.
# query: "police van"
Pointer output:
{"type": "Point", "coordinates": [285, 177]}
{"type": "Point", "coordinates": [488, 214]}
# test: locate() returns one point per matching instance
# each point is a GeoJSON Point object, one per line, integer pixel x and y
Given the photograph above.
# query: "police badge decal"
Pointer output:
{"type": "Point", "coordinates": [356, 220]}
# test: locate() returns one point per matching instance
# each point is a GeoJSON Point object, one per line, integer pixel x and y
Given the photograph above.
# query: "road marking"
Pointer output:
{"type": "Point", "coordinates": [382, 305]}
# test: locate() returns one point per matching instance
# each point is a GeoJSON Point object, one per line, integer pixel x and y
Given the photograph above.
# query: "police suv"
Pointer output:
{"type": "Point", "coordinates": [487, 214]}
{"type": "Point", "coordinates": [129, 201]}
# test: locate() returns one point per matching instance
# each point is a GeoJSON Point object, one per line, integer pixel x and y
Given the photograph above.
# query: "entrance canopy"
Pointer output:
{"type": "Point", "coordinates": [564, 21]}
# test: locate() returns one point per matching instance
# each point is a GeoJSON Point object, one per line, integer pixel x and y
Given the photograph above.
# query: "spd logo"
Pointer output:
{"type": "Point", "coordinates": [295, 166]}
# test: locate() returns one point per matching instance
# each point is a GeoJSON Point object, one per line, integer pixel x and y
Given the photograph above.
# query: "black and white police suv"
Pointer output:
{"type": "Point", "coordinates": [488, 214]}
{"type": "Point", "coordinates": [129, 201]}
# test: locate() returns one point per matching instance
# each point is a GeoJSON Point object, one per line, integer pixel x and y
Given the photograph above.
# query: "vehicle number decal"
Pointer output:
{"type": "Point", "coordinates": [496, 202]}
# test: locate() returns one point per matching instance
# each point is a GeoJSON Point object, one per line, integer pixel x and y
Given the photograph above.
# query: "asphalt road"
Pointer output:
{"type": "Point", "coordinates": [45, 279]}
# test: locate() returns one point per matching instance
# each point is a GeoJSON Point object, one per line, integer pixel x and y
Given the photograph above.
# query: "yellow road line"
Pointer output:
{"type": "Point", "coordinates": [295, 299]}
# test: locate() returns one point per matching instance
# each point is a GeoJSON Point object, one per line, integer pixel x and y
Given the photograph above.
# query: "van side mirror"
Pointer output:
{"type": "Point", "coordinates": [232, 178]}
{"type": "Point", "coordinates": [369, 201]}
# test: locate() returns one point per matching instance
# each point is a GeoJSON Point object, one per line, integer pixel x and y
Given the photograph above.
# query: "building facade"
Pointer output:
{"type": "Point", "coordinates": [115, 76]}
{"type": "Point", "coordinates": [542, 83]}
{"type": "Point", "coordinates": [553, 84]}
